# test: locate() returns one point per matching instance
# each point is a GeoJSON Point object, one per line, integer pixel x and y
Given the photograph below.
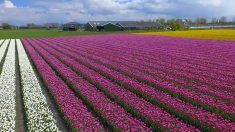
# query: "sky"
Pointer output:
{"type": "Point", "coordinates": [20, 12]}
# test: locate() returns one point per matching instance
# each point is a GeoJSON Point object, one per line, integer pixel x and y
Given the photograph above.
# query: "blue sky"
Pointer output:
{"type": "Point", "coordinates": [42, 11]}
{"type": "Point", "coordinates": [20, 2]}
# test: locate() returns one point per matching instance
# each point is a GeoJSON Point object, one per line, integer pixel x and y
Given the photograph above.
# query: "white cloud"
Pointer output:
{"type": "Point", "coordinates": [42, 11]}
{"type": "Point", "coordinates": [215, 3]}
{"type": "Point", "coordinates": [8, 4]}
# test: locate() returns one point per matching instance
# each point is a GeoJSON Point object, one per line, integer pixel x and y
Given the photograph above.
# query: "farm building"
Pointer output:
{"type": "Point", "coordinates": [52, 25]}
{"type": "Point", "coordinates": [72, 26]}
{"type": "Point", "coordinates": [120, 25]}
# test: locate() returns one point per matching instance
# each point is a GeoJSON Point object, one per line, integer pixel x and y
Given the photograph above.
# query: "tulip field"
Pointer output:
{"type": "Point", "coordinates": [117, 82]}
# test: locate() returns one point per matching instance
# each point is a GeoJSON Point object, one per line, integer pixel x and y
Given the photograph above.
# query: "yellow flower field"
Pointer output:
{"type": "Point", "coordinates": [222, 34]}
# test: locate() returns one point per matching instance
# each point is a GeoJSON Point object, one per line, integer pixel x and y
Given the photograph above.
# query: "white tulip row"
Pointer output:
{"type": "Point", "coordinates": [1, 41]}
{"type": "Point", "coordinates": [3, 48]}
{"type": "Point", "coordinates": [7, 90]}
{"type": "Point", "coordinates": [39, 116]}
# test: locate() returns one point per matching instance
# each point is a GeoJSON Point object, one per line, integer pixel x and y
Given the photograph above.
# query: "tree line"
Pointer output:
{"type": "Point", "coordinates": [178, 24]}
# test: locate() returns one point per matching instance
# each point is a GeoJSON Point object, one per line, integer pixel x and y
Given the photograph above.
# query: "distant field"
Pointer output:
{"type": "Point", "coordinates": [205, 34]}
{"type": "Point", "coordinates": [42, 33]}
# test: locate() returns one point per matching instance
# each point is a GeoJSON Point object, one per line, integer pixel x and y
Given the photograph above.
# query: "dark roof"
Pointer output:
{"type": "Point", "coordinates": [138, 24]}
{"type": "Point", "coordinates": [124, 24]}
{"type": "Point", "coordinates": [52, 25]}
{"type": "Point", "coordinates": [71, 24]}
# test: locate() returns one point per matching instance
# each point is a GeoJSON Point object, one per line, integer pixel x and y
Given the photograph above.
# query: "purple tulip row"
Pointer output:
{"type": "Point", "coordinates": [192, 75]}
{"type": "Point", "coordinates": [162, 52]}
{"type": "Point", "coordinates": [113, 112]}
{"type": "Point", "coordinates": [192, 47]}
{"type": "Point", "coordinates": [72, 107]}
{"type": "Point", "coordinates": [171, 77]}
{"type": "Point", "coordinates": [218, 93]}
{"type": "Point", "coordinates": [160, 56]}
{"type": "Point", "coordinates": [175, 63]}
{"type": "Point", "coordinates": [219, 104]}
{"type": "Point", "coordinates": [152, 112]}
{"type": "Point", "coordinates": [198, 114]}
{"type": "Point", "coordinates": [160, 43]}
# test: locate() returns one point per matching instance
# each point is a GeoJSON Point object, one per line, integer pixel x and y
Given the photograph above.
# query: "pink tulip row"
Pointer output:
{"type": "Point", "coordinates": [159, 43]}
{"type": "Point", "coordinates": [177, 63]}
{"type": "Point", "coordinates": [174, 78]}
{"type": "Point", "coordinates": [173, 63]}
{"type": "Point", "coordinates": [188, 47]}
{"type": "Point", "coordinates": [72, 107]}
{"type": "Point", "coordinates": [112, 111]}
{"type": "Point", "coordinates": [193, 75]}
{"type": "Point", "coordinates": [161, 55]}
{"type": "Point", "coordinates": [214, 101]}
{"type": "Point", "coordinates": [145, 108]}
{"type": "Point", "coordinates": [135, 82]}
{"type": "Point", "coordinates": [198, 114]}
{"type": "Point", "coordinates": [140, 67]}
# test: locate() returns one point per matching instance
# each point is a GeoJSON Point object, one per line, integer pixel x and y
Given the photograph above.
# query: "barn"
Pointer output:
{"type": "Point", "coordinates": [120, 25]}
{"type": "Point", "coordinates": [72, 26]}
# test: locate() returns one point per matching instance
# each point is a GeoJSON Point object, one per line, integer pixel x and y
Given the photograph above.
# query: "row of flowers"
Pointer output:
{"type": "Point", "coordinates": [154, 60]}
{"type": "Point", "coordinates": [165, 86]}
{"type": "Point", "coordinates": [120, 61]}
{"type": "Point", "coordinates": [203, 63]}
{"type": "Point", "coordinates": [3, 47]}
{"type": "Point", "coordinates": [193, 49]}
{"type": "Point", "coordinates": [7, 89]}
{"type": "Point", "coordinates": [203, 99]}
{"type": "Point", "coordinates": [1, 42]}
{"type": "Point", "coordinates": [145, 109]}
{"type": "Point", "coordinates": [123, 52]}
{"type": "Point", "coordinates": [151, 94]}
{"type": "Point", "coordinates": [39, 116]}
{"type": "Point", "coordinates": [108, 110]}
{"type": "Point", "coordinates": [152, 57]}
{"type": "Point", "coordinates": [172, 78]}
{"type": "Point", "coordinates": [162, 45]}
{"type": "Point", "coordinates": [76, 114]}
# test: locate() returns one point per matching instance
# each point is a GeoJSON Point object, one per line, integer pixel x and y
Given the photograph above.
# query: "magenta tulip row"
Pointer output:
{"type": "Point", "coordinates": [131, 83]}
{"type": "Point", "coordinates": [157, 43]}
{"type": "Point", "coordinates": [187, 76]}
{"type": "Point", "coordinates": [145, 108]}
{"type": "Point", "coordinates": [113, 112]}
{"type": "Point", "coordinates": [198, 64]}
{"type": "Point", "coordinates": [198, 114]}
{"type": "Point", "coordinates": [194, 72]}
{"type": "Point", "coordinates": [220, 104]}
{"type": "Point", "coordinates": [172, 77]}
{"type": "Point", "coordinates": [167, 76]}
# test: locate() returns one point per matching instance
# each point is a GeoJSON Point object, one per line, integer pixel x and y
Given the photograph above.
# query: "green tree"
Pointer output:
{"type": "Point", "coordinates": [6, 26]}
{"type": "Point", "coordinates": [161, 21]}
{"type": "Point", "coordinates": [201, 21]}
{"type": "Point", "coordinates": [174, 24]}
